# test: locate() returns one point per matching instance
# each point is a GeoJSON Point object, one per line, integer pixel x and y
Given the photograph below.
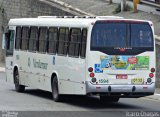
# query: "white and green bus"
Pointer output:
{"type": "Point", "coordinates": [111, 57]}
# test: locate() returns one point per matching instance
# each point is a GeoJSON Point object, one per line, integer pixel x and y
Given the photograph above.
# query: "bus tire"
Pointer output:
{"type": "Point", "coordinates": [109, 99]}
{"type": "Point", "coordinates": [18, 87]}
{"type": "Point", "coordinates": [55, 91]}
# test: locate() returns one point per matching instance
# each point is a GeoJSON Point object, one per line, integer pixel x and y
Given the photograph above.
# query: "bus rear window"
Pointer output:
{"type": "Point", "coordinates": [141, 35]}
{"type": "Point", "coordinates": [108, 36]}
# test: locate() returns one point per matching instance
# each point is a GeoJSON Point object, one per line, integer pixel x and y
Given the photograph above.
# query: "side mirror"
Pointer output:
{"type": "Point", "coordinates": [3, 42]}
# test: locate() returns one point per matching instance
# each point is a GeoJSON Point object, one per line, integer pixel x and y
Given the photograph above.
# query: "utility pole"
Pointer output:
{"type": "Point", "coordinates": [135, 2]}
{"type": "Point", "coordinates": [123, 5]}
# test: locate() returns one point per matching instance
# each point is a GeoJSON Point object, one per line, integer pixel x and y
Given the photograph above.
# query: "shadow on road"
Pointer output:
{"type": "Point", "coordinates": [83, 101]}
{"type": "Point", "coordinates": [95, 103]}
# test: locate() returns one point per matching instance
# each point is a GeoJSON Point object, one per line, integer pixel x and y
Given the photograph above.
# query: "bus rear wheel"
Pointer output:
{"type": "Point", "coordinates": [55, 91]}
{"type": "Point", "coordinates": [18, 87]}
{"type": "Point", "coordinates": [109, 99]}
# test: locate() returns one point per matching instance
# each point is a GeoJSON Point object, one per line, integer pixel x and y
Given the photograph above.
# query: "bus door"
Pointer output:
{"type": "Point", "coordinates": [9, 39]}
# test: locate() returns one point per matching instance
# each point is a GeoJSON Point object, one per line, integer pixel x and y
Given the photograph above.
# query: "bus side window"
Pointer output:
{"type": "Point", "coordinates": [18, 37]}
{"type": "Point", "coordinates": [74, 44]}
{"type": "Point", "coordinates": [53, 37]}
{"type": "Point", "coordinates": [83, 44]}
{"type": "Point", "coordinates": [63, 41]}
{"type": "Point", "coordinates": [33, 39]}
{"type": "Point", "coordinates": [43, 33]}
{"type": "Point", "coordinates": [25, 38]}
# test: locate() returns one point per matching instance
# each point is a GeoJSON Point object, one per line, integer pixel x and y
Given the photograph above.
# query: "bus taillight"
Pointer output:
{"type": "Point", "coordinates": [151, 75]}
{"type": "Point", "coordinates": [90, 69]}
{"type": "Point", "coordinates": [152, 70]}
{"type": "Point", "coordinates": [92, 75]}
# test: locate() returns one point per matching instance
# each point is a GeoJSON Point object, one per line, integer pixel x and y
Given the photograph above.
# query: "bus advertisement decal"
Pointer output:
{"type": "Point", "coordinates": [124, 62]}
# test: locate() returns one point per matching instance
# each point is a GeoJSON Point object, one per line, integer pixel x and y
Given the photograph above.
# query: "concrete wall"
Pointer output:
{"type": "Point", "coordinates": [24, 8]}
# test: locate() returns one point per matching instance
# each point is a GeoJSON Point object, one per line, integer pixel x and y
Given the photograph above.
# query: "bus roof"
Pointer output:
{"type": "Point", "coordinates": [63, 21]}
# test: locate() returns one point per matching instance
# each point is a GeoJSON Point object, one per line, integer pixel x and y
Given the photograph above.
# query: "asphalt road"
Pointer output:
{"type": "Point", "coordinates": [39, 103]}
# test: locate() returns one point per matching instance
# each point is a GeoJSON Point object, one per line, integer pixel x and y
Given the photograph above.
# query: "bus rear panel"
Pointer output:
{"type": "Point", "coordinates": [121, 60]}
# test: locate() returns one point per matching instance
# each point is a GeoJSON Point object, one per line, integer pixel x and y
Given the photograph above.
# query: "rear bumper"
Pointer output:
{"type": "Point", "coordinates": [121, 90]}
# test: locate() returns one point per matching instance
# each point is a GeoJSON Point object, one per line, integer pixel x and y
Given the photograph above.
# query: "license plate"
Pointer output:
{"type": "Point", "coordinates": [137, 81]}
{"type": "Point", "coordinates": [122, 76]}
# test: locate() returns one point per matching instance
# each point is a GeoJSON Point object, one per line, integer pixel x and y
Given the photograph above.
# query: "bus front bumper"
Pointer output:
{"type": "Point", "coordinates": [120, 90]}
